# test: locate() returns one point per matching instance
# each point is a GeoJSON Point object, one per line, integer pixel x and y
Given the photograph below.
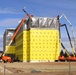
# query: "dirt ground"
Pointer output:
{"type": "Point", "coordinates": [49, 68]}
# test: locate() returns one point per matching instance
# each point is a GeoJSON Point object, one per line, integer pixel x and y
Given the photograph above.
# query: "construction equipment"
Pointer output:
{"type": "Point", "coordinates": [70, 57]}
{"type": "Point", "coordinates": [7, 58]}
{"type": "Point", "coordinates": [73, 56]}
{"type": "Point", "coordinates": [4, 57]}
{"type": "Point", "coordinates": [27, 13]}
{"type": "Point", "coordinates": [63, 15]}
{"type": "Point", "coordinates": [62, 56]}
{"type": "Point", "coordinates": [69, 38]}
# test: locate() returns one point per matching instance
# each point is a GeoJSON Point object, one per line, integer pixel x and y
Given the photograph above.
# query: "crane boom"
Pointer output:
{"type": "Point", "coordinates": [63, 15]}
{"type": "Point", "coordinates": [61, 42]}
{"type": "Point", "coordinates": [13, 37]}
{"type": "Point", "coordinates": [69, 38]}
{"type": "Point", "coordinates": [20, 25]}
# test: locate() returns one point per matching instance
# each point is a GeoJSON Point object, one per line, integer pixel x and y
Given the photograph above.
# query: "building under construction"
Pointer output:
{"type": "Point", "coordinates": [36, 41]}
{"type": "Point", "coordinates": [6, 39]}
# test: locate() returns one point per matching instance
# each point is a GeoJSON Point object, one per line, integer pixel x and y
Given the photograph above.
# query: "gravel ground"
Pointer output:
{"type": "Point", "coordinates": [49, 68]}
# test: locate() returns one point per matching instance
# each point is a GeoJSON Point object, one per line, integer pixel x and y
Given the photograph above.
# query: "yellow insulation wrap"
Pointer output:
{"type": "Point", "coordinates": [10, 49]}
{"type": "Point", "coordinates": [44, 44]}
{"type": "Point", "coordinates": [26, 45]}
{"type": "Point", "coordinates": [38, 44]}
{"type": "Point", "coordinates": [19, 46]}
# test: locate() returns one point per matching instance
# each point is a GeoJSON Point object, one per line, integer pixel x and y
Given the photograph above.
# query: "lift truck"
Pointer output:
{"type": "Point", "coordinates": [72, 29]}
{"type": "Point", "coordinates": [63, 56]}
{"type": "Point", "coordinates": [4, 57]}
{"type": "Point", "coordinates": [69, 57]}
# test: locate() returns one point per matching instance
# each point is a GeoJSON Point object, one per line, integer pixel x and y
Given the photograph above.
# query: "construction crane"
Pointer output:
{"type": "Point", "coordinates": [13, 37]}
{"type": "Point", "coordinates": [4, 57]}
{"type": "Point", "coordinates": [62, 56]}
{"type": "Point", "coordinates": [8, 58]}
{"type": "Point", "coordinates": [63, 15]}
{"type": "Point", "coordinates": [69, 38]}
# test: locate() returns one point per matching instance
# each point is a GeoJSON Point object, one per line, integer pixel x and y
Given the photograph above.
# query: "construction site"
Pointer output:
{"type": "Point", "coordinates": [34, 47]}
{"type": "Point", "coordinates": [38, 39]}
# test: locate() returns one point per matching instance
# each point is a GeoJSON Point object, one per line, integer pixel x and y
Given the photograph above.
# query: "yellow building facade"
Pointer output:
{"type": "Point", "coordinates": [38, 45]}
{"type": "Point", "coordinates": [10, 49]}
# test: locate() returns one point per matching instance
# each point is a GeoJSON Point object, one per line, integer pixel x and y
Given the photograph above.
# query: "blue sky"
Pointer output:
{"type": "Point", "coordinates": [11, 12]}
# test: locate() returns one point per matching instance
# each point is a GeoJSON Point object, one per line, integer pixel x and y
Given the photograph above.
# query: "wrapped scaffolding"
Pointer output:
{"type": "Point", "coordinates": [44, 22]}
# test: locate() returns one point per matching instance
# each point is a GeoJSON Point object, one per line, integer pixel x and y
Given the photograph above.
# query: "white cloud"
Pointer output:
{"type": "Point", "coordinates": [9, 22]}
{"type": "Point", "coordinates": [9, 11]}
